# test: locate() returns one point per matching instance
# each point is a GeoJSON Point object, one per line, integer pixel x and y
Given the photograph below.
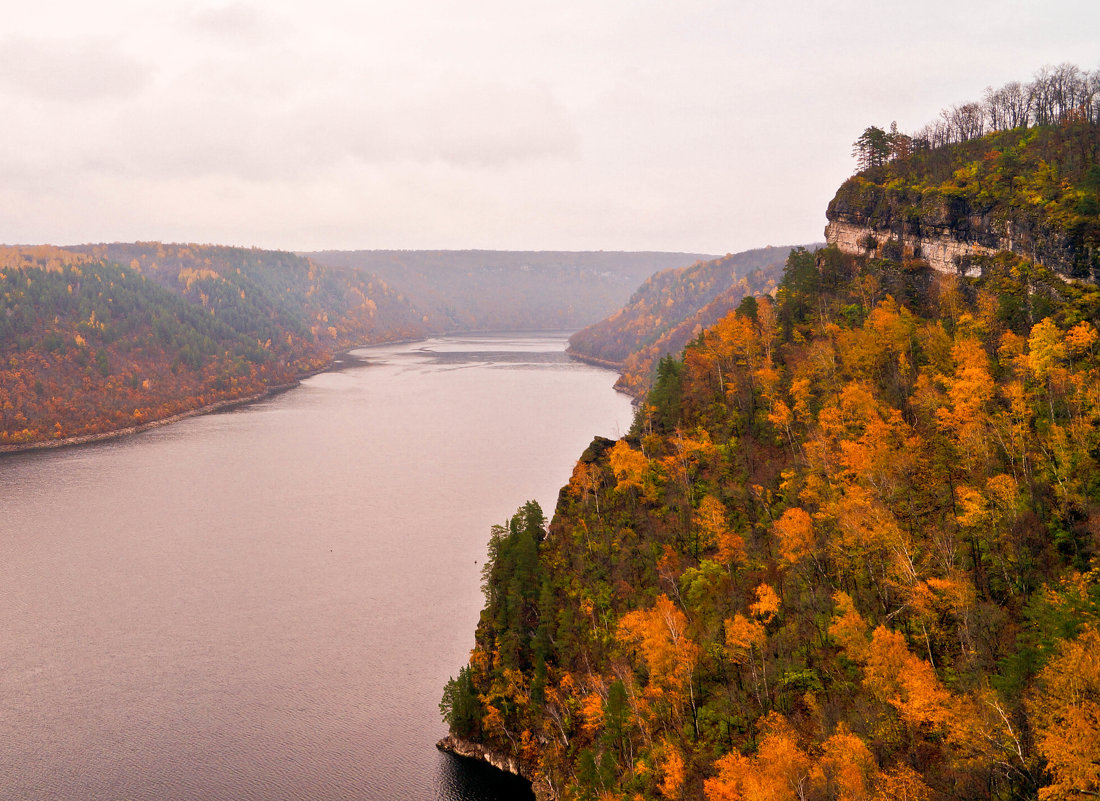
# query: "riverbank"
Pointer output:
{"type": "Point", "coordinates": [580, 357]}
{"type": "Point", "coordinates": [339, 361]}
{"type": "Point", "coordinates": [102, 436]}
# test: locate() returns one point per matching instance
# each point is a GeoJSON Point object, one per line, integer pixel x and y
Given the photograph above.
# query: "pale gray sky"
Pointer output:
{"type": "Point", "coordinates": [700, 125]}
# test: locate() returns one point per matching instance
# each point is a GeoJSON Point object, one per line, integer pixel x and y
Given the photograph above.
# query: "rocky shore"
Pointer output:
{"type": "Point", "coordinates": [509, 764]}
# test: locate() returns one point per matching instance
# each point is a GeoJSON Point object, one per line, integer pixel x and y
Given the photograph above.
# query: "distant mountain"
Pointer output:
{"type": "Point", "coordinates": [671, 308]}
{"type": "Point", "coordinates": [103, 338]}
{"type": "Point", "coordinates": [485, 290]}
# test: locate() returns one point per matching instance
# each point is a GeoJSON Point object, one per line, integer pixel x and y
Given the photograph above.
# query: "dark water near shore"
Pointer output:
{"type": "Point", "coordinates": [265, 603]}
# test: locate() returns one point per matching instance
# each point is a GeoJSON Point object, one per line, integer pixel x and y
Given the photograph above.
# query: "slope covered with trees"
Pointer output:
{"type": "Point", "coordinates": [111, 337]}
{"type": "Point", "coordinates": [848, 551]}
{"type": "Point", "coordinates": [494, 290]}
{"type": "Point", "coordinates": [671, 308]}
{"type": "Point", "coordinates": [639, 369]}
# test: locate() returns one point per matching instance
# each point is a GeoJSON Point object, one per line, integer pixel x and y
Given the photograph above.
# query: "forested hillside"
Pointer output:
{"type": "Point", "coordinates": [671, 308]}
{"type": "Point", "coordinates": [639, 369]}
{"type": "Point", "coordinates": [848, 551]}
{"type": "Point", "coordinates": [495, 290]}
{"type": "Point", "coordinates": [110, 337]}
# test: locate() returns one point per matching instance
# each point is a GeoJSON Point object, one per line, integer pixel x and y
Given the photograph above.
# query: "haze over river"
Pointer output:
{"type": "Point", "coordinates": [266, 603]}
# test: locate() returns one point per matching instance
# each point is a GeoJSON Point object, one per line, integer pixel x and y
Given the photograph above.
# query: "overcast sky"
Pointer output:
{"type": "Point", "coordinates": [699, 125]}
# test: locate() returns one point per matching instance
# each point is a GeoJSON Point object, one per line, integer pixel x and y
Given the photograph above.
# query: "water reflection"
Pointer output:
{"type": "Point", "coordinates": [463, 779]}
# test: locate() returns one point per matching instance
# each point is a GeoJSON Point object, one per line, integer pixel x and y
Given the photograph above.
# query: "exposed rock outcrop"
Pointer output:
{"type": "Point", "coordinates": [506, 762]}
{"type": "Point", "coordinates": [947, 232]}
{"type": "Point", "coordinates": [945, 254]}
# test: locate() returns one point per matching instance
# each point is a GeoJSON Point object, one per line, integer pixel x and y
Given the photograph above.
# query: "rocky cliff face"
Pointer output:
{"type": "Point", "coordinates": [944, 254]}
{"type": "Point", "coordinates": [948, 233]}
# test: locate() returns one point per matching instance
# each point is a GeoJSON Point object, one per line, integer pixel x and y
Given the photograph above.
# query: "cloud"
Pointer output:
{"type": "Point", "coordinates": [233, 22]}
{"type": "Point", "coordinates": [211, 124]}
{"type": "Point", "coordinates": [702, 125]}
{"type": "Point", "coordinates": [268, 114]}
{"type": "Point", "coordinates": [471, 123]}
{"type": "Point", "coordinates": [64, 70]}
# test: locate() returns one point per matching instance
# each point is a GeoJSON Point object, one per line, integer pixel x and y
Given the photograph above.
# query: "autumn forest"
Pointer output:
{"type": "Point", "coordinates": [848, 549]}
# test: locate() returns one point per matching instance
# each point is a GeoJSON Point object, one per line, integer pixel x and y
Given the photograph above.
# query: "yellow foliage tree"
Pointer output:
{"type": "Point", "coordinates": [847, 766]}
{"type": "Point", "coordinates": [796, 535]}
{"type": "Point", "coordinates": [780, 770]}
{"type": "Point", "coordinates": [905, 681]}
{"type": "Point", "coordinates": [672, 767]}
{"type": "Point", "coordinates": [628, 465]}
{"type": "Point", "coordinates": [849, 628]}
{"type": "Point", "coordinates": [901, 783]}
{"type": "Point", "coordinates": [710, 521]}
{"type": "Point", "coordinates": [1066, 715]}
{"type": "Point", "coordinates": [661, 634]}
{"type": "Point", "coordinates": [592, 713]}
{"type": "Point", "coordinates": [767, 603]}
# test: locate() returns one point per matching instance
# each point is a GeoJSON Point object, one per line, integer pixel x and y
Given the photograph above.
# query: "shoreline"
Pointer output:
{"type": "Point", "coordinates": [636, 399]}
{"type": "Point", "coordinates": [593, 360]}
{"type": "Point", "coordinates": [103, 436]}
{"type": "Point", "coordinates": [341, 360]}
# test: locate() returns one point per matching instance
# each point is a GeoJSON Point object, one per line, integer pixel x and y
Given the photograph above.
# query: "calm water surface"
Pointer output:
{"type": "Point", "coordinates": [265, 603]}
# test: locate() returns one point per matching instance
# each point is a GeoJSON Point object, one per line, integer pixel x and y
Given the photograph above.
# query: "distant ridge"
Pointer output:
{"type": "Point", "coordinates": [104, 339]}
{"type": "Point", "coordinates": [467, 290]}
{"type": "Point", "coordinates": [674, 306]}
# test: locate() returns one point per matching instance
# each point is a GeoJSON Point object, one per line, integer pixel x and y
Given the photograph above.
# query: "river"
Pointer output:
{"type": "Point", "coordinates": [265, 603]}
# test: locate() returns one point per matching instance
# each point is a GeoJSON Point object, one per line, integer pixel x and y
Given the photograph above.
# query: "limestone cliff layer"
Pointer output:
{"type": "Point", "coordinates": [948, 233]}
{"type": "Point", "coordinates": [943, 253]}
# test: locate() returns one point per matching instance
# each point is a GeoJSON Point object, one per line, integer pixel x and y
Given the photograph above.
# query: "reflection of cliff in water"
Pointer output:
{"type": "Point", "coordinates": [461, 778]}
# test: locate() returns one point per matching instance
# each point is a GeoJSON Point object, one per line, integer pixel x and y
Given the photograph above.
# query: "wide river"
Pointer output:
{"type": "Point", "coordinates": [265, 603]}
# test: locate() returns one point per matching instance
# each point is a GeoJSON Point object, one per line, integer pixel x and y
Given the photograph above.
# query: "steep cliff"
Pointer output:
{"type": "Point", "coordinates": [1031, 191]}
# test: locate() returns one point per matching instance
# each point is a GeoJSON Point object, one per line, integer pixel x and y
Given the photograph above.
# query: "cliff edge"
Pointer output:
{"type": "Point", "coordinates": [1032, 191]}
